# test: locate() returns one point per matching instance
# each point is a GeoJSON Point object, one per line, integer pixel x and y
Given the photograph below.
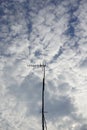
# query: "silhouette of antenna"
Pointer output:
{"type": "Point", "coordinates": [44, 125]}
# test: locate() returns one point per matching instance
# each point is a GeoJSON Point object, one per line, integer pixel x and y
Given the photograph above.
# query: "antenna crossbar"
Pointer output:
{"type": "Point", "coordinates": [37, 65]}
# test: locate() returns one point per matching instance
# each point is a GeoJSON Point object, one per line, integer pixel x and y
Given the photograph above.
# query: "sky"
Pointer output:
{"type": "Point", "coordinates": [33, 32]}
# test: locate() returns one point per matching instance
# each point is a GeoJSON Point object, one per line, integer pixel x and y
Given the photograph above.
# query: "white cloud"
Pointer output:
{"type": "Point", "coordinates": [20, 90]}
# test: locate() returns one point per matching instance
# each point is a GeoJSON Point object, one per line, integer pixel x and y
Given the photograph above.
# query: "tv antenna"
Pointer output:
{"type": "Point", "coordinates": [44, 125]}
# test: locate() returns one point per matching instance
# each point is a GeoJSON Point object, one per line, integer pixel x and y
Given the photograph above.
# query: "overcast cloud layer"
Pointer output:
{"type": "Point", "coordinates": [33, 31]}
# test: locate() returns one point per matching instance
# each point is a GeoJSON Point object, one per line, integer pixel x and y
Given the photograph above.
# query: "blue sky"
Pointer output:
{"type": "Point", "coordinates": [33, 31]}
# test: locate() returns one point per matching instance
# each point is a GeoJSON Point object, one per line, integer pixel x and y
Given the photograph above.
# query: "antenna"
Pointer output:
{"type": "Point", "coordinates": [44, 126]}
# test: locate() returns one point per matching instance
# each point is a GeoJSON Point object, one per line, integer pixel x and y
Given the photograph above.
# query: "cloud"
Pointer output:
{"type": "Point", "coordinates": [33, 31]}
{"type": "Point", "coordinates": [60, 107]}
{"type": "Point", "coordinates": [28, 92]}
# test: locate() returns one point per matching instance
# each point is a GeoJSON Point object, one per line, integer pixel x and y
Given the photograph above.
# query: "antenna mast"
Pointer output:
{"type": "Point", "coordinates": [43, 89]}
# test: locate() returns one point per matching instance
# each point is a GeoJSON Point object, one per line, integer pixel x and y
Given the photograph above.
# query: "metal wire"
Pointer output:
{"type": "Point", "coordinates": [45, 123]}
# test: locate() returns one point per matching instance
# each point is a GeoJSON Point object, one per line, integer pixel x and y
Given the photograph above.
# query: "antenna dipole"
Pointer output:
{"type": "Point", "coordinates": [43, 89]}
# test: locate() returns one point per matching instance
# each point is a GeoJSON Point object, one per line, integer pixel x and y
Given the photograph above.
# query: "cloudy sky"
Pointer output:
{"type": "Point", "coordinates": [53, 31]}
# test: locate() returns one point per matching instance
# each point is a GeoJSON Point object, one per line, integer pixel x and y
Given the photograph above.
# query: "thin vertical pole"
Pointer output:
{"type": "Point", "coordinates": [43, 88]}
